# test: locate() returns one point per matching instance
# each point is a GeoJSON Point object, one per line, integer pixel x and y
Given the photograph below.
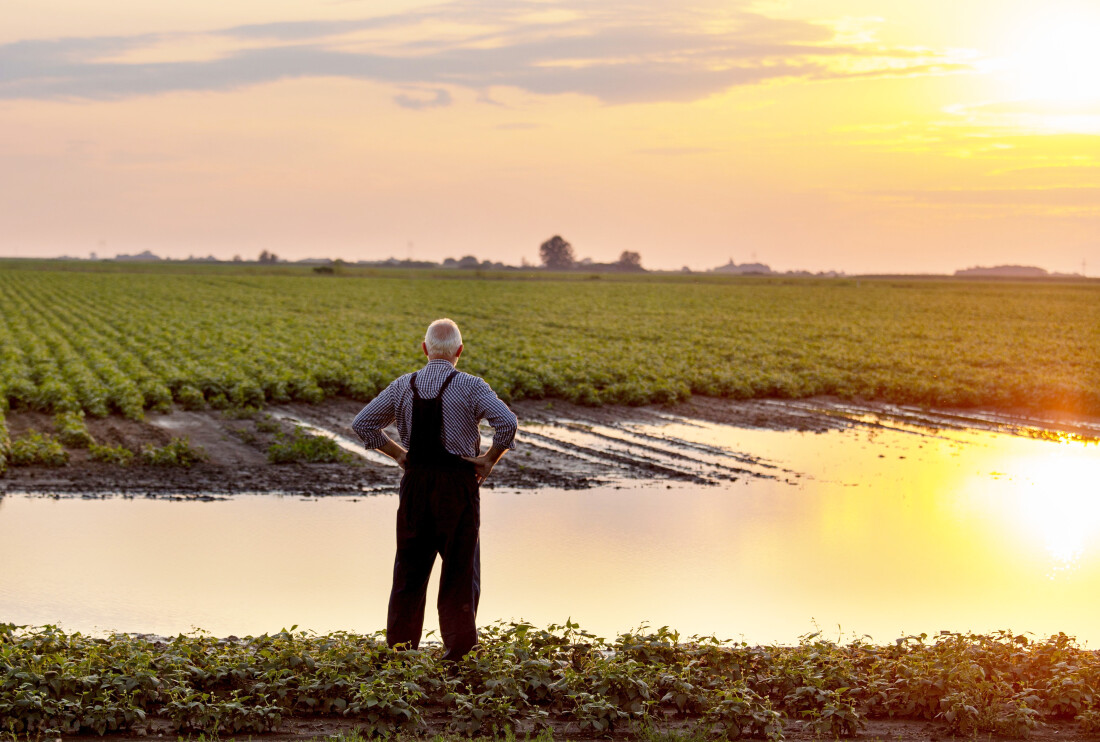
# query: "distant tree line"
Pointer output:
{"type": "Point", "coordinates": [557, 254]}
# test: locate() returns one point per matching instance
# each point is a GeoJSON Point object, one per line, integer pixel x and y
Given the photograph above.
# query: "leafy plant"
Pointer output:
{"type": "Point", "coordinates": [71, 430]}
{"type": "Point", "coordinates": [738, 709]}
{"type": "Point", "coordinates": [1089, 719]}
{"type": "Point", "coordinates": [37, 449]}
{"type": "Point", "coordinates": [177, 452]}
{"type": "Point", "coordinates": [52, 682]}
{"type": "Point", "coordinates": [268, 424]}
{"type": "Point", "coordinates": [302, 446]}
{"type": "Point", "coordinates": [119, 455]}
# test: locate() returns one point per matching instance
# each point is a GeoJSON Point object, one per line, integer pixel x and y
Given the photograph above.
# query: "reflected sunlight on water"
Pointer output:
{"type": "Point", "coordinates": [878, 530]}
{"type": "Point", "coordinates": [1054, 504]}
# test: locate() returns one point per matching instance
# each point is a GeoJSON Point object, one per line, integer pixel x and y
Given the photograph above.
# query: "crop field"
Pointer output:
{"type": "Point", "coordinates": [526, 679]}
{"type": "Point", "coordinates": [124, 343]}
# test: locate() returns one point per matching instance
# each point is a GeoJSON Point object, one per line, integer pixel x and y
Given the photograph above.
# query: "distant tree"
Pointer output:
{"type": "Point", "coordinates": [236, 258]}
{"type": "Point", "coordinates": [556, 254]}
{"type": "Point", "coordinates": [468, 261]}
{"type": "Point", "coordinates": [630, 261]}
{"type": "Point", "coordinates": [268, 257]}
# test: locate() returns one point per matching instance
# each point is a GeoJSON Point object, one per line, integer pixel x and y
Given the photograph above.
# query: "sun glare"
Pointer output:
{"type": "Point", "coordinates": [1057, 504]}
{"type": "Point", "coordinates": [1057, 59]}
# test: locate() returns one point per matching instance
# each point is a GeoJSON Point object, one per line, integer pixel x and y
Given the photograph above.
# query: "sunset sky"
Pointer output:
{"type": "Point", "coordinates": [857, 135]}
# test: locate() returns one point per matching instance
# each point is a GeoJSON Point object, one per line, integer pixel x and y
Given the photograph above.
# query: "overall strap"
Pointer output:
{"type": "Point", "coordinates": [412, 383]}
{"type": "Point", "coordinates": [446, 381]}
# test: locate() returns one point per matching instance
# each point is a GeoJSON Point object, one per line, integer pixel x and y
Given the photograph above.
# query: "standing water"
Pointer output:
{"type": "Point", "coordinates": [885, 529]}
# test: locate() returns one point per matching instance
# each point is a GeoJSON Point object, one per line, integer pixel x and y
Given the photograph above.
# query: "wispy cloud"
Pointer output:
{"type": "Point", "coordinates": [617, 53]}
{"type": "Point", "coordinates": [1044, 198]}
{"type": "Point", "coordinates": [441, 98]}
{"type": "Point", "coordinates": [675, 151]}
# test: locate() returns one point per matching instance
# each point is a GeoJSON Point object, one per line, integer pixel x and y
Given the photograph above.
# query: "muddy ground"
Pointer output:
{"type": "Point", "coordinates": [884, 730]}
{"type": "Point", "coordinates": [559, 445]}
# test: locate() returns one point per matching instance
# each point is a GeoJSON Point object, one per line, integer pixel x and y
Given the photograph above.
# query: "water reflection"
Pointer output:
{"type": "Point", "coordinates": [1055, 505]}
{"type": "Point", "coordinates": [887, 531]}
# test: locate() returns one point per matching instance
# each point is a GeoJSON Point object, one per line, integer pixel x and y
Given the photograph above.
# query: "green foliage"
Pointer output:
{"type": "Point", "coordinates": [119, 455]}
{"type": "Point", "coordinates": [57, 683]}
{"type": "Point", "coordinates": [177, 452]}
{"type": "Point", "coordinates": [234, 713]}
{"type": "Point", "coordinates": [1089, 720]}
{"type": "Point", "coordinates": [37, 449]}
{"type": "Point", "coordinates": [302, 446]}
{"type": "Point", "coordinates": [268, 424]}
{"type": "Point", "coordinates": [385, 703]}
{"type": "Point", "coordinates": [146, 337]}
{"type": "Point", "coordinates": [738, 710]}
{"type": "Point", "coordinates": [5, 441]}
{"type": "Point", "coordinates": [71, 430]}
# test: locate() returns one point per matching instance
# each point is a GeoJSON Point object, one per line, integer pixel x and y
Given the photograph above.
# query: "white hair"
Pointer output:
{"type": "Point", "coordinates": [443, 338]}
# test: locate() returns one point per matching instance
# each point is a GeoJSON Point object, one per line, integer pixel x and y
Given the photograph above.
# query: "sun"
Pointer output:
{"type": "Point", "coordinates": [1058, 58]}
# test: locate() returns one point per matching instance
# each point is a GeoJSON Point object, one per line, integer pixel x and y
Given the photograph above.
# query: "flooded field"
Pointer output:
{"type": "Point", "coordinates": [880, 521]}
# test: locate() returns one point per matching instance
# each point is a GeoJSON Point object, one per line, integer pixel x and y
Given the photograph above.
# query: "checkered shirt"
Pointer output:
{"type": "Point", "coordinates": [466, 401]}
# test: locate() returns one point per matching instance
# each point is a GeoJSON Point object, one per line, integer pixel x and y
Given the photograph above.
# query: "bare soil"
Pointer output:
{"type": "Point", "coordinates": [884, 730]}
{"type": "Point", "coordinates": [559, 445]}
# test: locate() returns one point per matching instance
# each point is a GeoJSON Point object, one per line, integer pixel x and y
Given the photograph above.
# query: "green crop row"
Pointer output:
{"type": "Point", "coordinates": [126, 343]}
{"type": "Point", "coordinates": [54, 683]}
{"type": "Point", "coordinates": [43, 449]}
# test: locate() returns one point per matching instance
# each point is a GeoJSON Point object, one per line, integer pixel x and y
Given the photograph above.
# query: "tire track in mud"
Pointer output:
{"type": "Point", "coordinates": [563, 452]}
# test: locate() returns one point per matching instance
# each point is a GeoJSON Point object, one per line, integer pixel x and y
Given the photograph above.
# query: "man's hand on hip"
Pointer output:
{"type": "Point", "coordinates": [483, 464]}
{"type": "Point", "coordinates": [395, 452]}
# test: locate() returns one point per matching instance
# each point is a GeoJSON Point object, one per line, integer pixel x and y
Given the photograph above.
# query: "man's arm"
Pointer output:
{"type": "Point", "coordinates": [487, 406]}
{"type": "Point", "coordinates": [368, 424]}
{"type": "Point", "coordinates": [394, 450]}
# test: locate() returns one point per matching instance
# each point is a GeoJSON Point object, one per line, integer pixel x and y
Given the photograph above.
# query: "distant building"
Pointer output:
{"type": "Point", "coordinates": [142, 257]}
{"type": "Point", "coordinates": [1009, 271]}
{"type": "Point", "coordinates": [315, 261]}
{"type": "Point", "coordinates": [745, 269]}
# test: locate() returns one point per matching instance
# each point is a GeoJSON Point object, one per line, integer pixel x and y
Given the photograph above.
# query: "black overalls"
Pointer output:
{"type": "Point", "coordinates": [440, 513]}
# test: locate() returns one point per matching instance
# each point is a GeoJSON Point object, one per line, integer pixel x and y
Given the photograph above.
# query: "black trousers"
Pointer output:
{"type": "Point", "coordinates": [440, 513]}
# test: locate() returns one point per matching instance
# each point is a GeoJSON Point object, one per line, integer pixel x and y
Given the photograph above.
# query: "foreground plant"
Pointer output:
{"type": "Point", "coordinates": [525, 679]}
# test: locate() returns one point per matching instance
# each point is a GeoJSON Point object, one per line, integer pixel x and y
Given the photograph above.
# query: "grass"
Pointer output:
{"type": "Point", "coordinates": [647, 684]}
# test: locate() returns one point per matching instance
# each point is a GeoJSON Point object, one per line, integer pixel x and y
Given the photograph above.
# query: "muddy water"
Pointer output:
{"type": "Point", "coordinates": [885, 525]}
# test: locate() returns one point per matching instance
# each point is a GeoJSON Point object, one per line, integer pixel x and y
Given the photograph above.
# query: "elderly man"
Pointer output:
{"type": "Point", "coordinates": [437, 410]}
